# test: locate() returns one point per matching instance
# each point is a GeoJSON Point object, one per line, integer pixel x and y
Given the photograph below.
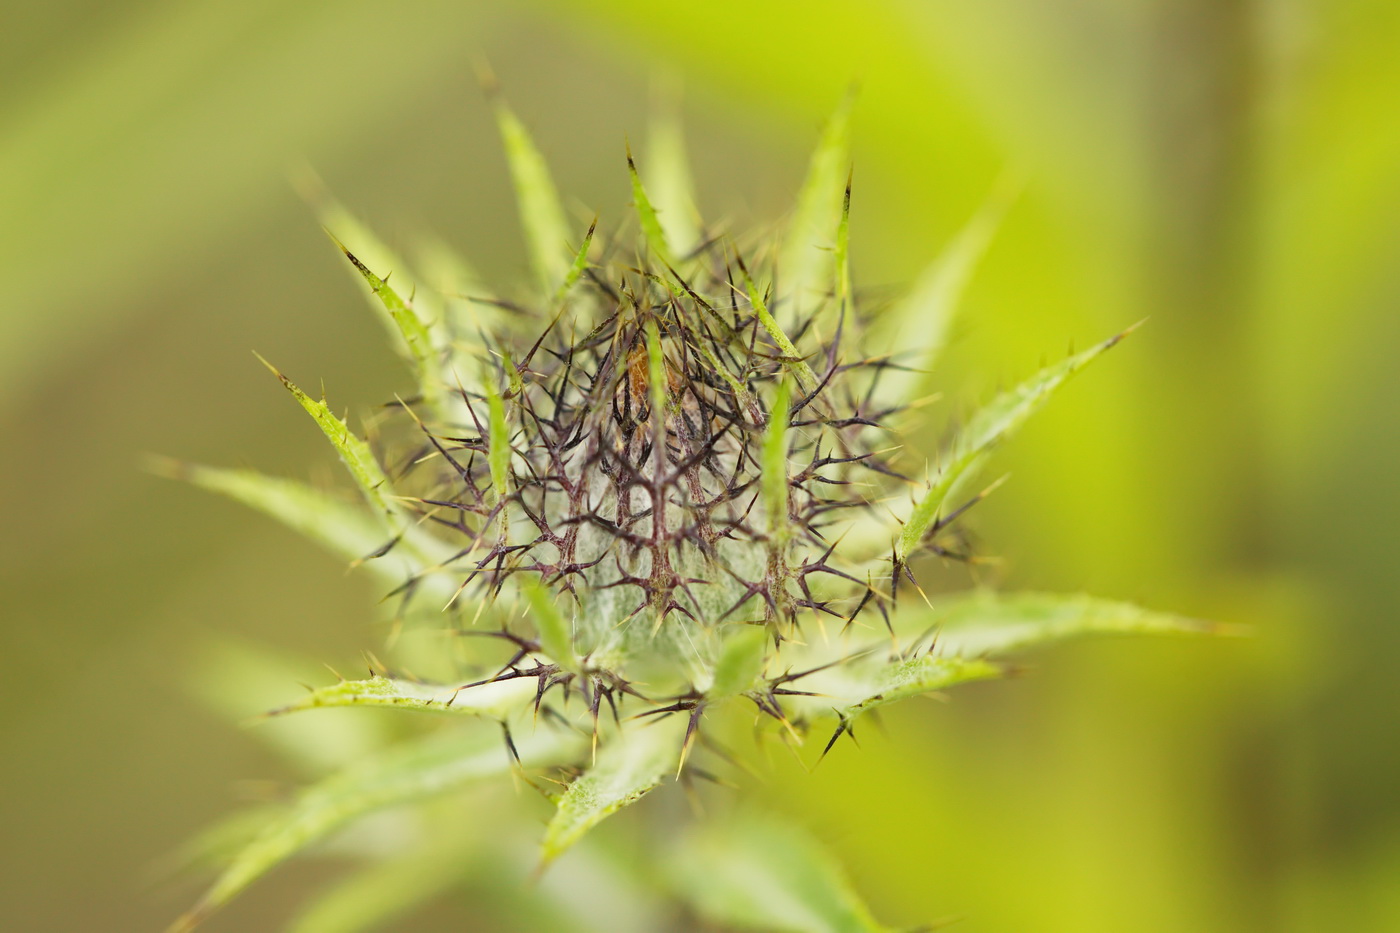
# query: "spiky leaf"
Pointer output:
{"type": "Point", "coordinates": [911, 677]}
{"type": "Point", "coordinates": [344, 529]}
{"type": "Point", "coordinates": [354, 452]}
{"type": "Point", "coordinates": [1003, 415]}
{"type": "Point", "coordinates": [241, 680]}
{"type": "Point", "coordinates": [352, 235]}
{"type": "Point", "coordinates": [498, 699]}
{"type": "Point", "coordinates": [646, 215]}
{"type": "Point", "coordinates": [579, 264]}
{"type": "Point", "coordinates": [632, 763]}
{"type": "Point", "coordinates": [984, 623]}
{"type": "Point", "coordinates": [792, 359]}
{"type": "Point", "coordinates": [498, 440]}
{"type": "Point", "coordinates": [844, 299]}
{"type": "Point", "coordinates": [341, 528]}
{"type": "Point", "coordinates": [866, 683]}
{"type": "Point", "coordinates": [420, 347]}
{"type": "Point", "coordinates": [775, 468]}
{"type": "Point", "coordinates": [805, 262]}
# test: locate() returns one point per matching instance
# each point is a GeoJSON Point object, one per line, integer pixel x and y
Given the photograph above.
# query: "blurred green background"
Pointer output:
{"type": "Point", "coordinates": [1229, 168]}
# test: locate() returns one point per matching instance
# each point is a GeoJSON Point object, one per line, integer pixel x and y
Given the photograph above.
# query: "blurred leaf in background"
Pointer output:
{"type": "Point", "coordinates": [1231, 169]}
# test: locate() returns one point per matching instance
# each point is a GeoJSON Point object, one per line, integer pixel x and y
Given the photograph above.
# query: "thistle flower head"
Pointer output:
{"type": "Point", "coordinates": [669, 483]}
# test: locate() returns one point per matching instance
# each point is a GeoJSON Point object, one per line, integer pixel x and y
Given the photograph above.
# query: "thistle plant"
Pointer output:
{"type": "Point", "coordinates": [665, 499]}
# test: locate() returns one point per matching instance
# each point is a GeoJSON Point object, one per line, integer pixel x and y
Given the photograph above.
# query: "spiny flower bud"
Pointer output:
{"type": "Point", "coordinates": [665, 487]}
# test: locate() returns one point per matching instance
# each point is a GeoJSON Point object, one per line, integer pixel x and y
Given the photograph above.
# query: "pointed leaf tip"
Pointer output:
{"type": "Point", "coordinates": [917, 327]}
{"type": "Point", "coordinates": [495, 699]}
{"type": "Point", "coordinates": [989, 425]}
{"type": "Point", "coordinates": [646, 214]}
{"type": "Point", "coordinates": [354, 452]}
{"type": "Point", "coordinates": [541, 212]}
{"type": "Point", "coordinates": [985, 623]}
{"type": "Point", "coordinates": [806, 259]}
{"type": "Point", "coordinates": [418, 343]}
{"type": "Point", "coordinates": [668, 177]}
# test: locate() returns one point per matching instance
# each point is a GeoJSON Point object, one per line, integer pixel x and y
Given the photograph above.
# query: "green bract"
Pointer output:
{"type": "Point", "coordinates": [674, 496]}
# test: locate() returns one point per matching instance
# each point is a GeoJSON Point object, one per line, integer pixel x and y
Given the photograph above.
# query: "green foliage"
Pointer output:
{"type": "Point", "coordinates": [918, 324]}
{"type": "Point", "coordinates": [496, 700]}
{"type": "Point", "coordinates": [806, 259]}
{"type": "Point", "coordinates": [354, 452]}
{"type": "Point", "coordinates": [984, 622]}
{"type": "Point", "coordinates": [668, 177]}
{"type": "Point", "coordinates": [791, 358]}
{"type": "Point", "coordinates": [341, 528]}
{"type": "Point", "coordinates": [541, 214]}
{"type": "Point", "coordinates": [775, 467]}
{"type": "Point", "coordinates": [634, 504]}
{"type": "Point", "coordinates": [628, 768]}
{"type": "Point", "coordinates": [411, 772]}
{"type": "Point", "coordinates": [373, 896]}
{"type": "Point", "coordinates": [740, 663]}
{"type": "Point", "coordinates": [556, 632]}
{"type": "Point", "coordinates": [646, 215]}
{"type": "Point", "coordinates": [418, 343]}
{"type": "Point", "coordinates": [753, 871]}
{"type": "Point", "coordinates": [999, 418]}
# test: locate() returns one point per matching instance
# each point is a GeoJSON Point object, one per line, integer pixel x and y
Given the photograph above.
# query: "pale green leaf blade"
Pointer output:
{"type": "Point", "coordinates": [862, 684]}
{"type": "Point", "coordinates": [668, 177]}
{"type": "Point", "coordinates": [844, 298]}
{"type": "Point", "coordinates": [215, 845]}
{"type": "Point", "coordinates": [805, 262]}
{"type": "Point", "coordinates": [579, 264]}
{"type": "Point", "coordinates": [346, 530]}
{"type": "Point", "coordinates": [496, 699]}
{"type": "Point", "coordinates": [240, 680]}
{"type": "Point", "coordinates": [990, 424]}
{"type": "Point", "coordinates": [498, 450]}
{"type": "Point", "coordinates": [774, 468]}
{"type": "Point", "coordinates": [354, 236]}
{"type": "Point", "coordinates": [740, 662]}
{"type": "Point", "coordinates": [911, 677]}
{"type": "Point", "coordinates": [656, 370]}
{"type": "Point", "coordinates": [377, 894]}
{"type": "Point", "coordinates": [646, 215]}
{"type": "Point", "coordinates": [984, 623]}
{"type": "Point", "coordinates": [420, 347]}
{"type": "Point", "coordinates": [414, 771]}
{"type": "Point", "coordinates": [541, 213]}
{"type": "Point", "coordinates": [753, 871]}
{"type": "Point", "coordinates": [632, 763]}
{"type": "Point", "coordinates": [555, 632]}
{"type": "Point", "coordinates": [354, 451]}
{"type": "Point", "coordinates": [791, 358]}
{"type": "Point", "coordinates": [467, 312]}
{"type": "Point", "coordinates": [916, 328]}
